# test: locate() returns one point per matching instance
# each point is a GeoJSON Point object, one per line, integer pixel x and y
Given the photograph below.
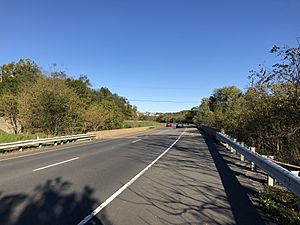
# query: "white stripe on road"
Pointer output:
{"type": "Point", "coordinates": [55, 164]}
{"type": "Point", "coordinates": [136, 140]}
{"type": "Point", "coordinates": [125, 186]}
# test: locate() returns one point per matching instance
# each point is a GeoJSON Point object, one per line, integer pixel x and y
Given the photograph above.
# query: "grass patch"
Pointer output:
{"type": "Point", "coordinates": [5, 138]}
{"type": "Point", "coordinates": [280, 205]}
{"type": "Point", "coordinates": [132, 124]}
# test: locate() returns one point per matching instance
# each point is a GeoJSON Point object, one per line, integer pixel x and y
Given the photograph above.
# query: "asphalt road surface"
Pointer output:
{"type": "Point", "coordinates": [166, 176]}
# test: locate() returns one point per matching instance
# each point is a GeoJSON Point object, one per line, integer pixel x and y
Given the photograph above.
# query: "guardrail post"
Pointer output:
{"type": "Point", "coordinates": [40, 145]}
{"type": "Point", "coordinates": [274, 170]}
{"type": "Point", "coordinates": [225, 145]}
{"type": "Point", "coordinates": [253, 166]}
{"type": "Point", "coordinates": [233, 150]}
{"type": "Point", "coordinates": [296, 173]}
{"type": "Point", "coordinates": [242, 156]}
{"type": "Point", "coordinates": [230, 148]}
{"type": "Point", "coordinates": [61, 143]}
{"type": "Point", "coordinates": [20, 149]}
{"type": "Point", "coordinates": [55, 143]}
{"type": "Point", "coordinates": [271, 181]}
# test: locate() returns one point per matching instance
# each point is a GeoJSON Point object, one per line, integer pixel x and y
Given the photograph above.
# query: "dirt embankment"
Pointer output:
{"type": "Point", "coordinates": [119, 132]}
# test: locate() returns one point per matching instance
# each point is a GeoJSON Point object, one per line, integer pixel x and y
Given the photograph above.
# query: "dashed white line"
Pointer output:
{"type": "Point", "coordinates": [125, 186]}
{"type": "Point", "coordinates": [136, 141]}
{"type": "Point", "coordinates": [55, 164]}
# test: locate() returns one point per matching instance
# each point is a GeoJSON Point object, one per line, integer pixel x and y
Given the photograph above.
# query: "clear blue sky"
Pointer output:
{"type": "Point", "coordinates": [160, 50]}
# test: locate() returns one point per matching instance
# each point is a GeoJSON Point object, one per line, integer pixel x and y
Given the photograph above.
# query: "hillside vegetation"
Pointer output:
{"type": "Point", "coordinates": [54, 103]}
{"type": "Point", "coordinates": [267, 114]}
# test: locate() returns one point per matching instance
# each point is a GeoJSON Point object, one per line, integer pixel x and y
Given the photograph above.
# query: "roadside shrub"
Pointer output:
{"type": "Point", "coordinates": [280, 205]}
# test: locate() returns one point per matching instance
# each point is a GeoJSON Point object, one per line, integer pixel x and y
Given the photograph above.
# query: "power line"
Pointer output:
{"type": "Point", "coordinates": [154, 87]}
{"type": "Point", "coordinates": [162, 101]}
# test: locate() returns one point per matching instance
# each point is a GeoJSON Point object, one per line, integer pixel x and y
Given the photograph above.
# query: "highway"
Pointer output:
{"type": "Point", "coordinates": [166, 176]}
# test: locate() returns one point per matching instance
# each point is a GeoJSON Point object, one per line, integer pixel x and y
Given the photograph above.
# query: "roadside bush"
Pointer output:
{"type": "Point", "coordinates": [280, 205]}
{"type": "Point", "coordinates": [51, 107]}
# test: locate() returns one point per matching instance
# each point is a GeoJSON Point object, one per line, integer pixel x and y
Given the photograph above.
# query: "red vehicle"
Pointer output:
{"type": "Point", "coordinates": [168, 124]}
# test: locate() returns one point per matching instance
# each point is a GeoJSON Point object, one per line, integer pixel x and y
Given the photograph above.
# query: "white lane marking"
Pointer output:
{"type": "Point", "coordinates": [125, 186]}
{"type": "Point", "coordinates": [136, 141]}
{"type": "Point", "coordinates": [55, 164]}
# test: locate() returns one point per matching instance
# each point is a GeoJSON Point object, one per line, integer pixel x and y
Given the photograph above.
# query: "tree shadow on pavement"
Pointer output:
{"type": "Point", "coordinates": [182, 188]}
{"type": "Point", "coordinates": [242, 208]}
{"type": "Point", "coordinates": [49, 203]}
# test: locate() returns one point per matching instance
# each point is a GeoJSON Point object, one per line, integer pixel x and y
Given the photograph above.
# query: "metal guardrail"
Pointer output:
{"type": "Point", "coordinates": [282, 175]}
{"type": "Point", "coordinates": [40, 142]}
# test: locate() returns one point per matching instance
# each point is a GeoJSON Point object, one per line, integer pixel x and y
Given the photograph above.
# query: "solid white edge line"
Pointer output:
{"type": "Point", "coordinates": [136, 140]}
{"type": "Point", "coordinates": [125, 186]}
{"type": "Point", "coordinates": [55, 164]}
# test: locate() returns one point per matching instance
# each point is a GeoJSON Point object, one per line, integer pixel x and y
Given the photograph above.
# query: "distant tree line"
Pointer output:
{"type": "Point", "coordinates": [267, 114]}
{"type": "Point", "coordinates": [185, 116]}
{"type": "Point", "coordinates": [54, 103]}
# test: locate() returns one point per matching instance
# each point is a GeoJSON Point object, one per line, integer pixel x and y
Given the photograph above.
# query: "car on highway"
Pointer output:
{"type": "Point", "coordinates": [179, 125]}
{"type": "Point", "coordinates": [168, 124]}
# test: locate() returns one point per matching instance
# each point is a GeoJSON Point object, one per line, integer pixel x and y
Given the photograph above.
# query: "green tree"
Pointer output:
{"type": "Point", "coordinates": [95, 118]}
{"type": "Point", "coordinates": [204, 115]}
{"type": "Point", "coordinates": [82, 87]}
{"type": "Point", "coordinates": [115, 118]}
{"type": "Point", "coordinates": [14, 75]}
{"type": "Point", "coordinates": [123, 105]}
{"type": "Point", "coordinates": [10, 111]}
{"type": "Point", "coordinates": [50, 106]}
{"type": "Point", "coordinates": [190, 115]}
{"type": "Point", "coordinates": [278, 93]}
{"type": "Point", "coordinates": [222, 96]}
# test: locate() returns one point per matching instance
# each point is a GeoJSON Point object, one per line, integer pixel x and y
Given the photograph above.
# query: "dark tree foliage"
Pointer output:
{"type": "Point", "coordinates": [82, 87]}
